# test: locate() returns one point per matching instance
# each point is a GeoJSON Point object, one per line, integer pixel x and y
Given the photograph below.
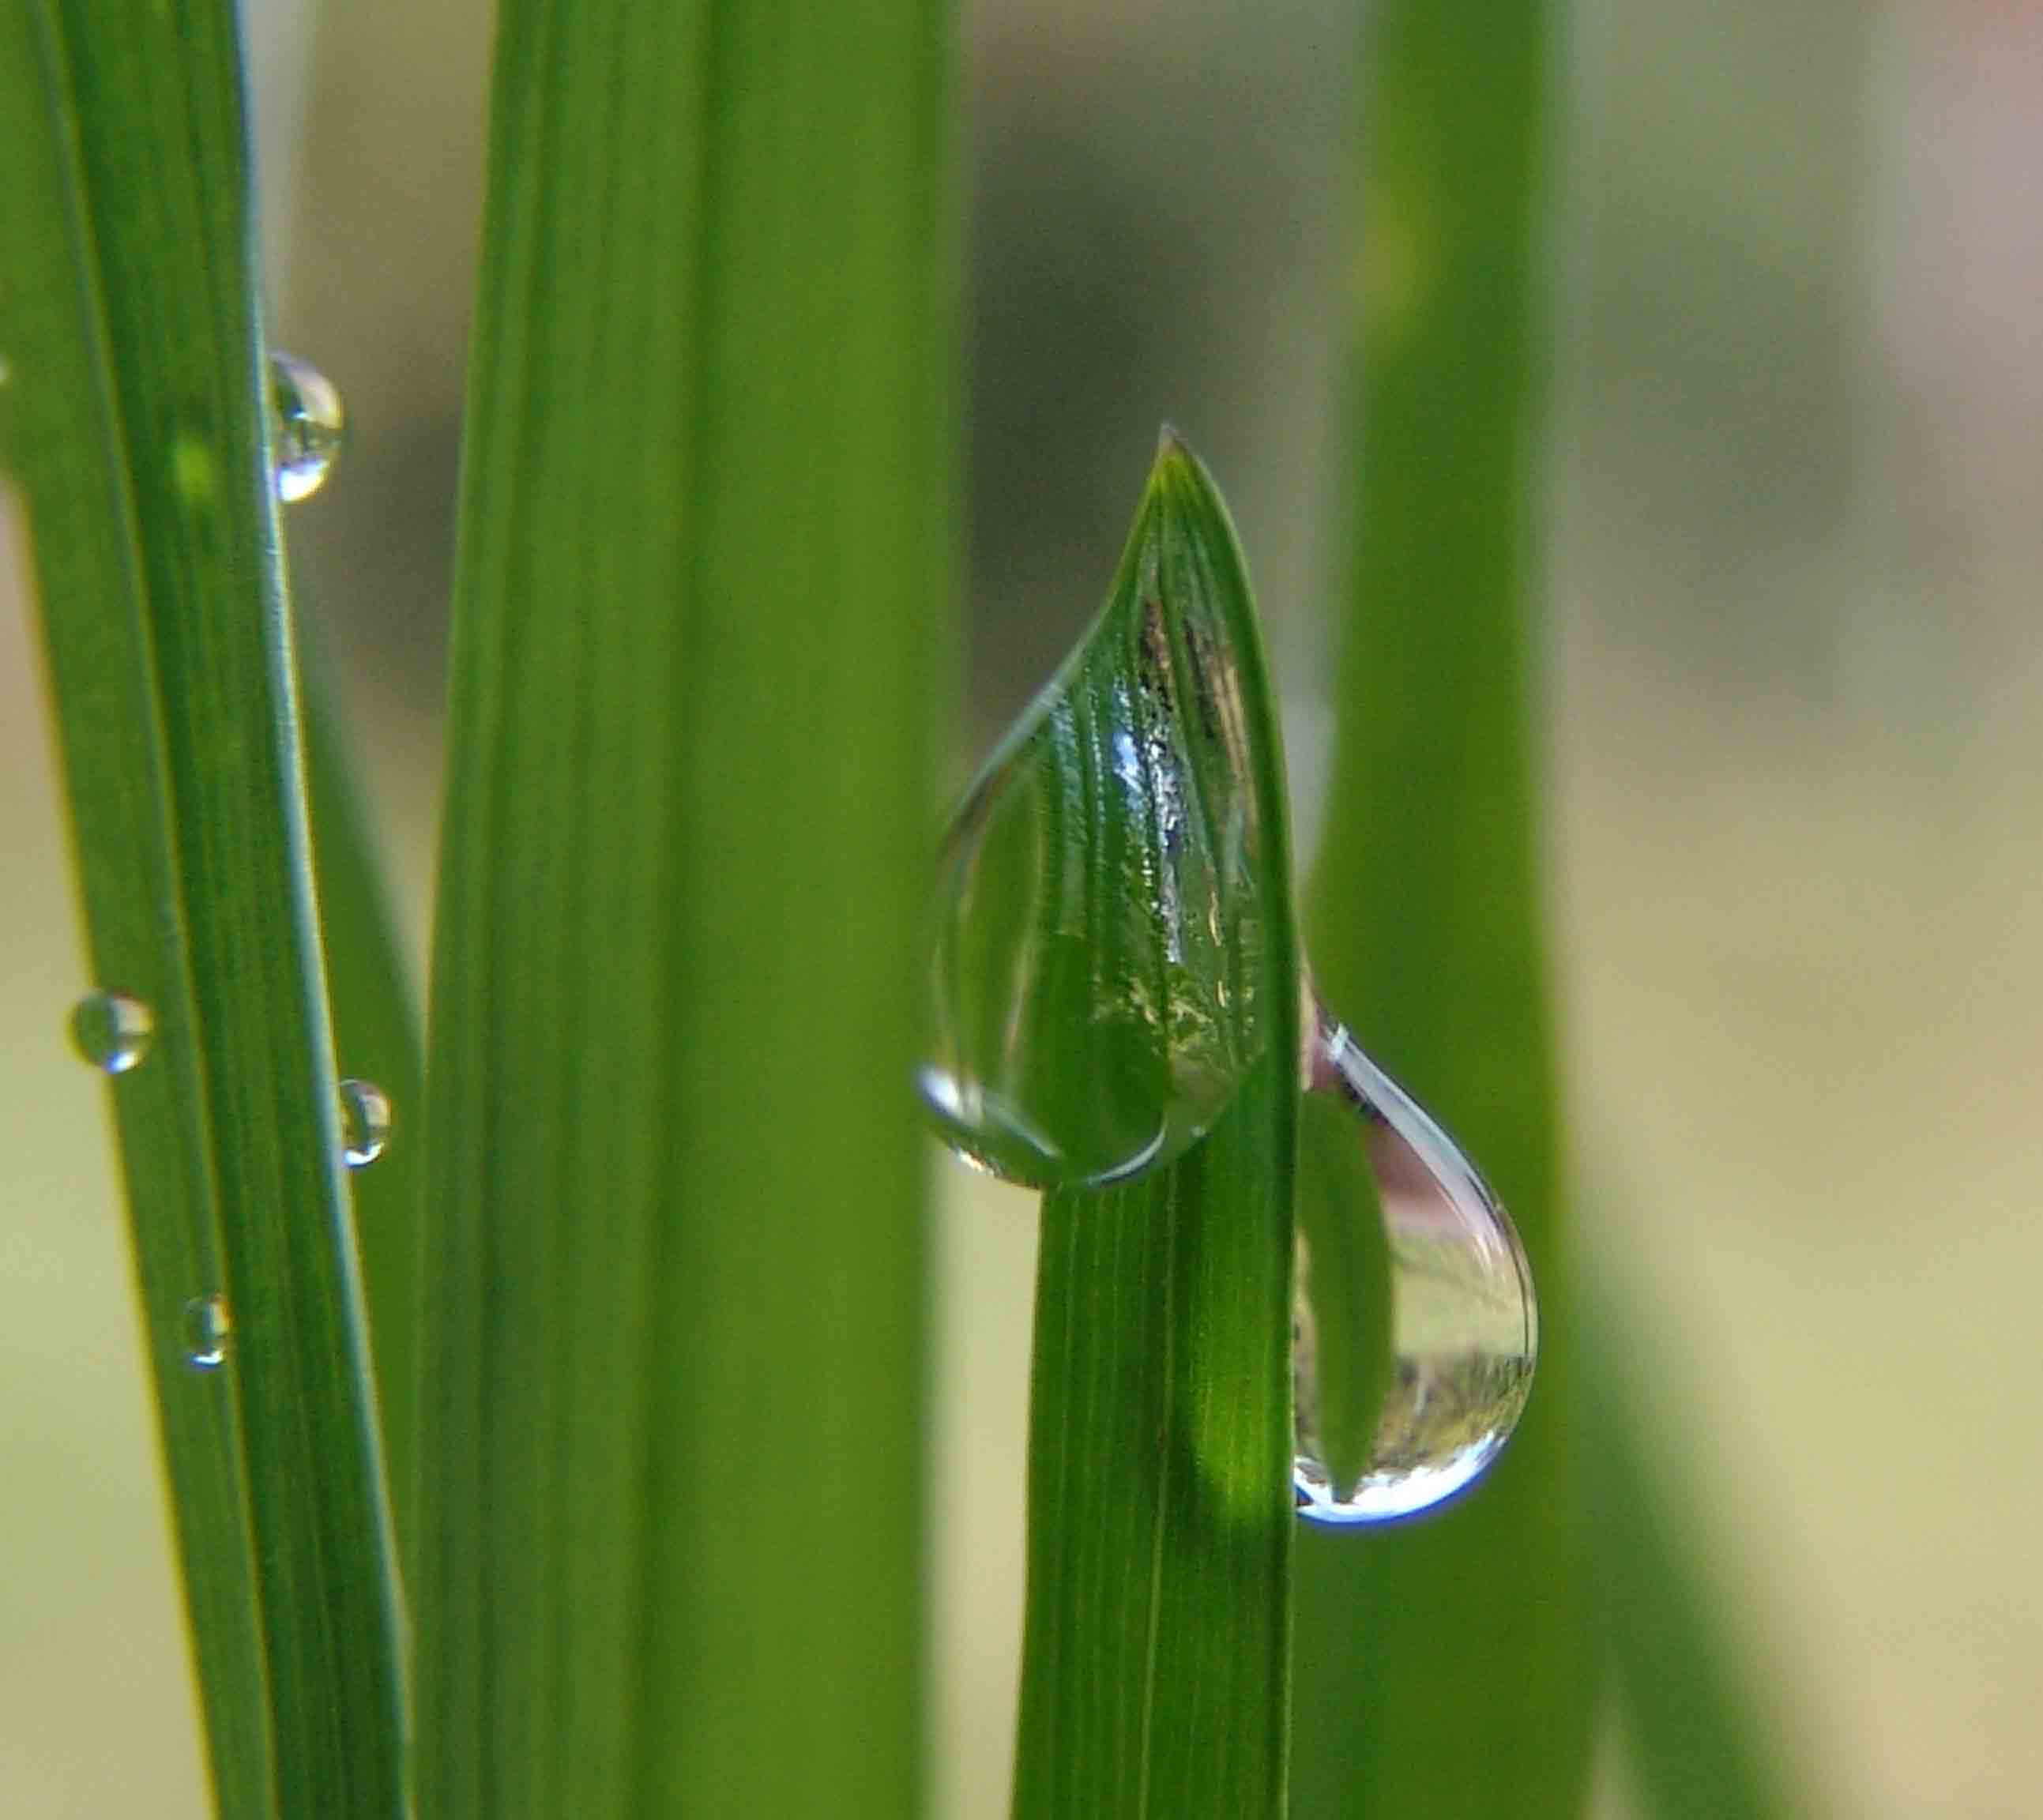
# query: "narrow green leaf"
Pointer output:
{"type": "Point", "coordinates": [672, 1392]}
{"type": "Point", "coordinates": [133, 415]}
{"type": "Point", "coordinates": [376, 1038]}
{"type": "Point", "coordinates": [1156, 1655]}
{"type": "Point", "coordinates": [1442, 1669]}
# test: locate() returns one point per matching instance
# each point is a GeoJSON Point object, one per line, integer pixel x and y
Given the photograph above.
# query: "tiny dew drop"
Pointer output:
{"type": "Point", "coordinates": [311, 426]}
{"type": "Point", "coordinates": [364, 1122]}
{"type": "Point", "coordinates": [1464, 1320]}
{"type": "Point", "coordinates": [207, 1328]}
{"type": "Point", "coordinates": [112, 1031]}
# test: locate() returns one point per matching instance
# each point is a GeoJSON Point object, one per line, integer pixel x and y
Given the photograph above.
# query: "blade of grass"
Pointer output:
{"type": "Point", "coordinates": [136, 430]}
{"type": "Point", "coordinates": [376, 1037]}
{"type": "Point", "coordinates": [1155, 1663]}
{"type": "Point", "coordinates": [672, 1384]}
{"type": "Point", "coordinates": [1442, 1669]}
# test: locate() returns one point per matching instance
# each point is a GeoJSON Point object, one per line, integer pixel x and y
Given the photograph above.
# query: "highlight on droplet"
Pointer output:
{"type": "Point", "coordinates": [112, 1031]}
{"type": "Point", "coordinates": [1464, 1317]}
{"type": "Point", "coordinates": [364, 1122]}
{"type": "Point", "coordinates": [312, 426]}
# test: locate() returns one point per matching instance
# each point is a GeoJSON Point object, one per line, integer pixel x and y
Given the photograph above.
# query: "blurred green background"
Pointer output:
{"type": "Point", "coordinates": [1792, 655]}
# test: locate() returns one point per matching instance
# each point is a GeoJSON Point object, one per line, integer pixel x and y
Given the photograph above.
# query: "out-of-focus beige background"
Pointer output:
{"type": "Point", "coordinates": [1793, 664]}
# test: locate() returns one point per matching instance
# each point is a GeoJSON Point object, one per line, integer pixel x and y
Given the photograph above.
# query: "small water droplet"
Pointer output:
{"type": "Point", "coordinates": [364, 1122]}
{"type": "Point", "coordinates": [112, 1031]}
{"type": "Point", "coordinates": [1465, 1323]}
{"type": "Point", "coordinates": [208, 1329]}
{"type": "Point", "coordinates": [1096, 936]}
{"type": "Point", "coordinates": [311, 425]}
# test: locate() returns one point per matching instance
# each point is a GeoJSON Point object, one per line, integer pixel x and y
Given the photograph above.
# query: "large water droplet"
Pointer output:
{"type": "Point", "coordinates": [112, 1031]}
{"type": "Point", "coordinates": [311, 425]}
{"type": "Point", "coordinates": [1097, 943]}
{"type": "Point", "coordinates": [1465, 1324]}
{"type": "Point", "coordinates": [208, 1326]}
{"type": "Point", "coordinates": [1098, 948]}
{"type": "Point", "coordinates": [364, 1122]}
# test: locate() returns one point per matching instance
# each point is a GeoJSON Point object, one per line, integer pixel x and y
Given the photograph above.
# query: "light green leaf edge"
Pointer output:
{"type": "Point", "coordinates": [1156, 1656]}
{"type": "Point", "coordinates": [136, 433]}
{"type": "Point", "coordinates": [673, 1396]}
{"type": "Point", "coordinates": [1444, 1668]}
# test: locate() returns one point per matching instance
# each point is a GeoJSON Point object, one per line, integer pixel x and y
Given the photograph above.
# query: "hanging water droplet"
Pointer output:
{"type": "Point", "coordinates": [364, 1122]}
{"type": "Point", "coordinates": [1465, 1324]}
{"type": "Point", "coordinates": [112, 1031]}
{"type": "Point", "coordinates": [311, 426]}
{"type": "Point", "coordinates": [1097, 936]}
{"type": "Point", "coordinates": [208, 1328]}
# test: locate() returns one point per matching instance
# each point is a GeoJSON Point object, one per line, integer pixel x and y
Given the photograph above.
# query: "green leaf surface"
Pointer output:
{"type": "Point", "coordinates": [132, 414]}
{"type": "Point", "coordinates": [376, 1037]}
{"type": "Point", "coordinates": [1443, 1669]}
{"type": "Point", "coordinates": [1156, 1652]}
{"type": "Point", "coordinates": [669, 1556]}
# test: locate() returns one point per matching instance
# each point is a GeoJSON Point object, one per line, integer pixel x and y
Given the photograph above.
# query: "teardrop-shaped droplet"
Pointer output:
{"type": "Point", "coordinates": [311, 425]}
{"type": "Point", "coordinates": [1464, 1321]}
{"type": "Point", "coordinates": [364, 1122]}
{"type": "Point", "coordinates": [207, 1328]}
{"type": "Point", "coordinates": [112, 1031]}
{"type": "Point", "coordinates": [1096, 937]}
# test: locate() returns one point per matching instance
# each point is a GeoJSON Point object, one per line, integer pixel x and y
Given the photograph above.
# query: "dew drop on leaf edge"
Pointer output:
{"type": "Point", "coordinates": [207, 1328]}
{"type": "Point", "coordinates": [311, 426]}
{"type": "Point", "coordinates": [1464, 1315]}
{"type": "Point", "coordinates": [112, 1031]}
{"type": "Point", "coordinates": [364, 1122]}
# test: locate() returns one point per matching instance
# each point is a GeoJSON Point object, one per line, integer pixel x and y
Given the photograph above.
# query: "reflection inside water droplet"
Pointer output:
{"type": "Point", "coordinates": [1465, 1324]}
{"type": "Point", "coordinates": [1097, 936]}
{"type": "Point", "coordinates": [311, 426]}
{"type": "Point", "coordinates": [112, 1031]}
{"type": "Point", "coordinates": [207, 1329]}
{"type": "Point", "coordinates": [364, 1122]}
